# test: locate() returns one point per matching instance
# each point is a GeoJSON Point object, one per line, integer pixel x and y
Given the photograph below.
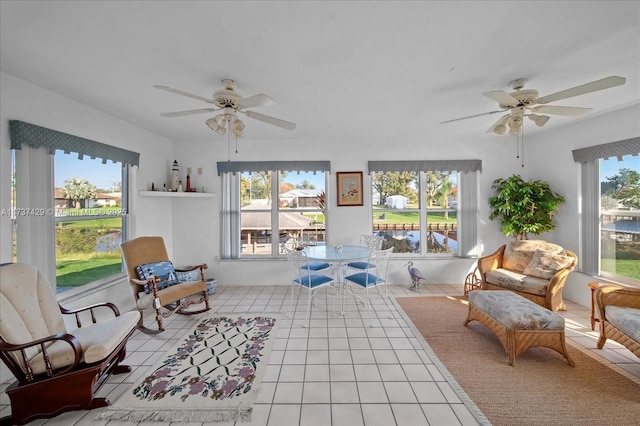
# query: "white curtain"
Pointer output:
{"type": "Point", "coordinates": [35, 215]}
{"type": "Point", "coordinates": [230, 215]}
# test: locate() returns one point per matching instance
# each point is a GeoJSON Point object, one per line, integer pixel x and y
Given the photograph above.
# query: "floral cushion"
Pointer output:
{"type": "Point", "coordinates": [518, 254]}
{"type": "Point", "coordinates": [514, 311]}
{"type": "Point", "coordinates": [164, 271]}
{"type": "Point", "coordinates": [544, 264]}
{"type": "Point", "coordinates": [519, 282]}
{"type": "Point", "coordinates": [626, 319]}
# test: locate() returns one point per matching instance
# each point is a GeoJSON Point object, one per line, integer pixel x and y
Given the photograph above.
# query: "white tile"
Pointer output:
{"type": "Point", "coordinates": [377, 415]}
{"type": "Point", "coordinates": [318, 344]}
{"type": "Point", "coordinates": [417, 373]}
{"type": "Point", "coordinates": [440, 414]}
{"type": "Point", "coordinates": [367, 373]}
{"type": "Point", "coordinates": [288, 393]}
{"type": "Point", "coordinates": [340, 357]}
{"type": "Point", "coordinates": [292, 373]}
{"type": "Point", "coordinates": [363, 356]}
{"type": "Point", "coordinates": [336, 343]}
{"type": "Point", "coordinates": [400, 392]}
{"type": "Point", "coordinates": [344, 393]}
{"type": "Point", "coordinates": [266, 392]}
{"type": "Point", "coordinates": [317, 373]}
{"type": "Point", "coordinates": [359, 343]}
{"type": "Point", "coordinates": [385, 357]}
{"type": "Point", "coordinates": [392, 373]}
{"type": "Point", "coordinates": [315, 415]}
{"type": "Point", "coordinates": [372, 393]}
{"type": "Point", "coordinates": [316, 393]}
{"type": "Point", "coordinates": [284, 415]}
{"type": "Point", "coordinates": [342, 373]}
{"type": "Point", "coordinates": [346, 415]}
{"type": "Point", "coordinates": [294, 357]}
{"type": "Point", "coordinates": [318, 357]}
{"type": "Point", "coordinates": [271, 373]}
{"type": "Point", "coordinates": [409, 415]}
{"type": "Point", "coordinates": [428, 392]}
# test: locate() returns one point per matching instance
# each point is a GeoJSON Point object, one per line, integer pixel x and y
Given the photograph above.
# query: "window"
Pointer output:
{"type": "Point", "coordinates": [90, 215]}
{"type": "Point", "coordinates": [69, 226]}
{"type": "Point", "coordinates": [407, 202]}
{"type": "Point", "coordinates": [610, 222]}
{"type": "Point", "coordinates": [269, 206]}
{"type": "Point", "coordinates": [620, 217]}
{"type": "Point", "coordinates": [416, 206]}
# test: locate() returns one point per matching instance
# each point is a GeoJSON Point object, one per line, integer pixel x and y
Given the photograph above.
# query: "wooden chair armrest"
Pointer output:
{"type": "Point", "coordinates": [43, 343]}
{"type": "Point", "coordinates": [91, 308]}
{"type": "Point", "coordinates": [193, 268]}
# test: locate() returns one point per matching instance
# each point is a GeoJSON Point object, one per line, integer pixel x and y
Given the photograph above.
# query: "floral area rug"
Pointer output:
{"type": "Point", "coordinates": [212, 375]}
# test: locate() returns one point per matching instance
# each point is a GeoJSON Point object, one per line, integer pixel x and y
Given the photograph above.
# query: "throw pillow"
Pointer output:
{"type": "Point", "coordinates": [544, 265]}
{"type": "Point", "coordinates": [518, 253]}
{"type": "Point", "coordinates": [164, 271]}
{"type": "Point", "coordinates": [189, 276]}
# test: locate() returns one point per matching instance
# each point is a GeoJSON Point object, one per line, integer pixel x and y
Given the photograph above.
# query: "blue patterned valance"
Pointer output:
{"type": "Point", "coordinates": [425, 166]}
{"type": "Point", "coordinates": [618, 149]}
{"type": "Point", "coordinates": [261, 166]}
{"type": "Point", "coordinates": [36, 136]}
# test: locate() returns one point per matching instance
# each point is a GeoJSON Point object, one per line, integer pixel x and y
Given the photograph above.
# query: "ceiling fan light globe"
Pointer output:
{"type": "Point", "coordinates": [500, 129]}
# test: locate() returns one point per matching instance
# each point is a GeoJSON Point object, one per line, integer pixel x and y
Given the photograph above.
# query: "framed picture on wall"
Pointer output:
{"type": "Point", "coordinates": [349, 188]}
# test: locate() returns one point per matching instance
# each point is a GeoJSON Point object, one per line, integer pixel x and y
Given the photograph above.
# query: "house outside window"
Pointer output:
{"type": "Point", "coordinates": [416, 212]}
{"type": "Point", "coordinates": [610, 206]}
{"type": "Point", "coordinates": [620, 217]}
{"type": "Point", "coordinates": [70, 205]}
{"type": "Point", "coordinates": [267, 206]}
{"type": "Point", "coordinates": [426, 208]}
{"type": "Point", "coordinates": [90, 200]}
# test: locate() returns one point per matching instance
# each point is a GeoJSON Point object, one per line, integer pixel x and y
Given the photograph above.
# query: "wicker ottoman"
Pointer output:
{"type": "Point", "coordinates": [518, 323]}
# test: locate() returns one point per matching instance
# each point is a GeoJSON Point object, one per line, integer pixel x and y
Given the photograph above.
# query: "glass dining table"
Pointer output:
{"type": "Point", "coordinates": [338, 256]}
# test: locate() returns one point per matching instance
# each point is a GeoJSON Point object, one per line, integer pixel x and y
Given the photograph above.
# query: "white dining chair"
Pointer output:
{"type": "Point", "coordinates": [373, 242]}
{"type": "Point", "coordinates": [370, 278]}
{"type": "Point", "coordinates": [305, 277]}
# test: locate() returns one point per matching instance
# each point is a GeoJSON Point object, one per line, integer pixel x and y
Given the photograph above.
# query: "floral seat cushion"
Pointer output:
{"type": "Point", "coordinates": [514, 311]}
{"type": "Point", "coordinates": [516, 281]}
{"type": "Point", "coordinates": [626, 319]}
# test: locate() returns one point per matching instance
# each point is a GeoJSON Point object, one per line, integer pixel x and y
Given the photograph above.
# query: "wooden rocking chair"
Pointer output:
{"type": "Point", "coordinates": [56, 369]}
{"type": "Point", "coordinates": [140, 255]}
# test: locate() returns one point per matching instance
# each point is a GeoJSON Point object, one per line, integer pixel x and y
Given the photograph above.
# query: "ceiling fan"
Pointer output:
{"type": "Point", "coordinates": [229, 103]}
{"type": "Point", "coordinates": [525, 103]}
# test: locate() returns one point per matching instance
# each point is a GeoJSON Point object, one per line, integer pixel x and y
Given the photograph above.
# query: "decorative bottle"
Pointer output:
{"type": "Point", "coordinates": [188, 183]}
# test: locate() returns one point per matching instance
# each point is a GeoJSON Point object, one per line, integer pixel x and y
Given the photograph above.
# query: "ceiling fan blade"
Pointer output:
{"type": "Point", "coordinates": [472, 116]}
{"type": "Point", "coordinates": [188, 112]}
{"type": "Point", "coordinates": [594, 86]}
{"type": "Point", "coordinates": [561, 110]}
{"type": "Point", "coordinates": [271, 120]}
{"type": "Point", "coordinates": [256, 101]}
{"type": "Point", "coordinates": [183, 93]}
{"type": "Point", "coordinates": [501, 97]}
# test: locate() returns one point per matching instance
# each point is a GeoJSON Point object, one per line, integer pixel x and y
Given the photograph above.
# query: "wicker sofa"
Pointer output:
{"type": "Point", "coordinates": [534, 269]}
{"type": "Point", "coordinates": [619, 310]}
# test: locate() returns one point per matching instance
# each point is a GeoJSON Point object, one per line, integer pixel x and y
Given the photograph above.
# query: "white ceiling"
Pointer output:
{"type": "Point", "coordinates": [380, 70]}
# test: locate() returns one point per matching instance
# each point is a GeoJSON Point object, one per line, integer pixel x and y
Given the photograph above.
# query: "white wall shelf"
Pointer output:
{"type": "Point", "coordinates": [177, 194]}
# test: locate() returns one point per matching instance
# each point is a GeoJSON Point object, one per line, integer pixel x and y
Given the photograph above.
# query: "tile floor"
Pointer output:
{"type": "Point", "coordinates": [338, 371]}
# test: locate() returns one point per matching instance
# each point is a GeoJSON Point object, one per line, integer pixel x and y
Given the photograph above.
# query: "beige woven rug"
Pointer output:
{"type": "Point", "coordinates": [211, 375]}
{"type": "Point", "coordinates": [542, 389]}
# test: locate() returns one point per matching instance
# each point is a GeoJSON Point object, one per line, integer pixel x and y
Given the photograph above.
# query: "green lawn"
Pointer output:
{"type": "Point", "coordinates": [628, 268]}
{"type": "Point", "coordinates": [412, 217]}
{"type": "Point", "coordinates": [77, 270]}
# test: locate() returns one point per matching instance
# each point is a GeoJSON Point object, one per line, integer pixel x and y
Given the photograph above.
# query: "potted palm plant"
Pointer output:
{"type": "Point", "coordinates": [524, 207]}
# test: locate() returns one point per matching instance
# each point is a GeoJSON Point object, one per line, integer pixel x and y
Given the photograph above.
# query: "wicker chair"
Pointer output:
{"type": "Point", "coordinates": [613, 302]}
